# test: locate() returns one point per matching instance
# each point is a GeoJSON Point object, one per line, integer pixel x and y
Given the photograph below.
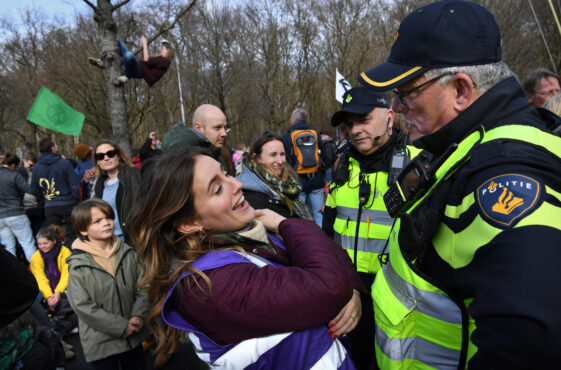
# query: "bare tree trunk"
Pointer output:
{"type": "Point", "coordinates": [112, 59]}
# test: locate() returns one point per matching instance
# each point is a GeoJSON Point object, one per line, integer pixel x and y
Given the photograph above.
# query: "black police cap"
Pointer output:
{"type": "Point", "coordinates": [359, 100]}
{"type": "Point", "coordinates": [443, 34]}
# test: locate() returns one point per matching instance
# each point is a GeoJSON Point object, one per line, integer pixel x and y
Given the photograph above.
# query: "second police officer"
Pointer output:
{"type": "Point", "coordinates": [355, 214]}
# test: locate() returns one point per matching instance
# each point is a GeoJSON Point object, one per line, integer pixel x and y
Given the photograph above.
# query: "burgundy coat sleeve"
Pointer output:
{"type": "Point", "coordinates": [248, 301]}
{"type": "Point", "coordinates": [326, 242]}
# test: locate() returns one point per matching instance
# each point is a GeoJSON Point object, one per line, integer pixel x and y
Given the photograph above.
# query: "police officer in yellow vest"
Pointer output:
{"type": "Point", "coordinates": [355, 215]}
{"type": "Point", "coordinates": [473, 277]}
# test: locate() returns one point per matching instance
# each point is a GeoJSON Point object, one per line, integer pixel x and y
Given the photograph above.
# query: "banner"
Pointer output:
{"type": "Point", "coordinates": [341, 86]}
{"type": "Point", "coordinates": [53, 113]}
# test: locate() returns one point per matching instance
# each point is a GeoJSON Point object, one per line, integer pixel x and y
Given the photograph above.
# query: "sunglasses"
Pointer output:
{"type": "Point", "coordinates": [101, 156]}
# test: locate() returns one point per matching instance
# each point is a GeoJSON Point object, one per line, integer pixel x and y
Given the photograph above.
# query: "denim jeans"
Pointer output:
{"type": "Point", "coordinates": [17, 227]}
{"type": "Point", "coordinates": [132, 69]}
{"type": "Point", "coordinates": [328, 173]}
{"type": "Point", "coordinates": [315, 200]}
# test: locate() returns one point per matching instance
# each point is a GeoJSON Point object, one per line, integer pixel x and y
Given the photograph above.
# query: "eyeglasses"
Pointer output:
{"type": "Point", "coordinates": [101, 156]}
{"type": "Point", "coordinates": [401, 95]}
{"type": "Point", "coordinates": [549, 93]}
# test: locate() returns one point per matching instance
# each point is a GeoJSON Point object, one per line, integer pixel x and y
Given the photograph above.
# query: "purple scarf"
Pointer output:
{"type": "Point", "coordinates": [51, 266]}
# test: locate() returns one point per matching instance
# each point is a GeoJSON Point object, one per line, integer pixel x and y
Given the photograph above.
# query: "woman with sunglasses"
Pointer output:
{"type": "Point", "coordinates": [117, 183]}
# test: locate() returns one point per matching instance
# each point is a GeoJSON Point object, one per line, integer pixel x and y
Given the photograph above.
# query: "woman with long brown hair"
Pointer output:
{"type": "Point", "coordinates": [268, 181]}
{"type": "Point", "coordinates": [117, 183]}
{"type": "Point", "coordinates": [215, 273]}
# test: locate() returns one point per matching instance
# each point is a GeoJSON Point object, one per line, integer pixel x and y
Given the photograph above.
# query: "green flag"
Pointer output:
{"type": "Point", "coordinates": [53, 113]}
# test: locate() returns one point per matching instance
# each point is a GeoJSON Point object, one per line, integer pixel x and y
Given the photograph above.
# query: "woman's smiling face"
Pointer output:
{"type": "Point", "coordinates": [219, 202]}
{"type": "Point", "coordinates": [272, 157]}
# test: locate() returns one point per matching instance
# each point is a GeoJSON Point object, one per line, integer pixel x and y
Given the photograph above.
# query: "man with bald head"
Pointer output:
{"type": "Point", "coordinates": [208, 131]}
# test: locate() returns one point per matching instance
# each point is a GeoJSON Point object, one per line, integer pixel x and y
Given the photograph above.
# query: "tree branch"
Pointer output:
{"type": "Point", "coordinates": [118, 5]}
{"type": "Point", "coordinates": [90, 5]}
{"type": "Point", "coordinates": [168, 26]}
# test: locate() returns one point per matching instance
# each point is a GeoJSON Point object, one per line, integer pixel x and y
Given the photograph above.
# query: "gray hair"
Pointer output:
{"type": "Point", "coordinates": [300, 115]}
{"type": "Point", "coordinates": [534, 77]}
{"type": "Point", "coordinates": [553, 104]}
{"type": "Point", "coordinates": [484, 76]}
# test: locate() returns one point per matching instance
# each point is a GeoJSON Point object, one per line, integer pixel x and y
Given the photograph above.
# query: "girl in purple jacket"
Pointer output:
{"type": "Point", "coordinates": [213, 272]}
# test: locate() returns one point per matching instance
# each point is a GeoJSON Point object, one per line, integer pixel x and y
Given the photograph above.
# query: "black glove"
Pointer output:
{"type": "Point", "coordinates": [418, 228]}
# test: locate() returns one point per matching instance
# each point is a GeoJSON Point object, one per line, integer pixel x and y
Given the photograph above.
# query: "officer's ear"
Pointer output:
{"type": "Point", "coordinates": [465, 91]}
{"type": "Point", "coordinates": [390, 117]}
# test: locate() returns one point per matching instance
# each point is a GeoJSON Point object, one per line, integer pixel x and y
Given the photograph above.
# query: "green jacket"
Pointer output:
{"type": "Point", "coordinates": [104, 304]}
{"type": "Point", "coordinates": [182, 136]}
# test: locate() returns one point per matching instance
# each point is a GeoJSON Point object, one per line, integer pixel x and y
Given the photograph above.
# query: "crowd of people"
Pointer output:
{"type": "Point", "coordinates": [424, 236]}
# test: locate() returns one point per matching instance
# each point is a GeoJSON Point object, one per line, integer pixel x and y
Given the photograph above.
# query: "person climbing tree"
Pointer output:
{"type": "Point", "coordinates": [150, 68]}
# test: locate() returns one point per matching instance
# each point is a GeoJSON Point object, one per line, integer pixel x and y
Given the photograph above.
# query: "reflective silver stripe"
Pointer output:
{"type": "Point", "coordinates": [414, 348]}
{"type": "Point", "coordinates": [376, 217]}
{"type": "Point", "coordinates": [364, 244]}
{"type": "Point", "coordinates": [432, 304]}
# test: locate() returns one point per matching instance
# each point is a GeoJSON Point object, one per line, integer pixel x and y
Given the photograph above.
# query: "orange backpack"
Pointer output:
{"type": "Point", "coordinates": [306, 150]}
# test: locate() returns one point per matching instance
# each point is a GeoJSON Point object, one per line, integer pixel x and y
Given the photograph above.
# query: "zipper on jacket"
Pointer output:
{"type": "Point", "coordinates": [356, 235]}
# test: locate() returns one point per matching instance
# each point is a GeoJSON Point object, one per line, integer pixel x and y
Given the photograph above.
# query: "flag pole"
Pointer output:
{"type": "Point", "coordinates": [555, 16]}
{"type": "Point", "coordinates": [543, 36]}
{"type": "Point", "coordinates": [180, 94]}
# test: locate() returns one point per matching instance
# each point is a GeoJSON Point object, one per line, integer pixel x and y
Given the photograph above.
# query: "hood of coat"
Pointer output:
{"type": "Point", "coordinates": [82, 256]}
{"type": "Point", "coordinates": [251, 182]}
{"type": "Point", "coordinates": [181, 135]}
{"type": "Point", "coordinates": [49, 158]}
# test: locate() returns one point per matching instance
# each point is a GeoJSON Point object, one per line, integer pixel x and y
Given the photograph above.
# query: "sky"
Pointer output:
{"type": "Point", "coordinates": [51, 8]}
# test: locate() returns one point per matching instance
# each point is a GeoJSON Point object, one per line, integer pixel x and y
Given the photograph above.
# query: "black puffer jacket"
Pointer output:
{"type": "Point", "coordinates": [129, 183]}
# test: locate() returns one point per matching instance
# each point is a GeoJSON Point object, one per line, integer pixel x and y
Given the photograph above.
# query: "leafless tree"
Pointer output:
{"type": "Point", "coordinates": [103, 16]}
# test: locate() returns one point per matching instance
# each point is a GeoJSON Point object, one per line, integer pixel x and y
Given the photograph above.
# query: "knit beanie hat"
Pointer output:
{"type": "Point", "coordinates": [81, 151]}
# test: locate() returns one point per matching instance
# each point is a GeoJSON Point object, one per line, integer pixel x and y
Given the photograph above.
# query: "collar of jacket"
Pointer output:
{"type": "Point", "coordinates": [123, 176]}
{"type": "Point", "coordinates": [299, 126]}
{"type": "Point", "coordinates": [81, 258]}
{"type": "Point", "coordinates": [201, 141]}
{"type": "Point", "coordinates": [379, 160]}
{"type": "Point", "coordinates": [503, 100]}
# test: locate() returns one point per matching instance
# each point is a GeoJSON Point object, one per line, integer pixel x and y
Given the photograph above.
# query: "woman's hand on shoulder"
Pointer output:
{"type": "Point", "coordinates": [347, 319]}
{"type": "Point", "coordinates": [270, 219]}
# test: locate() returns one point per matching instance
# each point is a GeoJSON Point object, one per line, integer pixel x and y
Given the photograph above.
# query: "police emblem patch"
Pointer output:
{"type": "Point", "coordinates": [506, 198]}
